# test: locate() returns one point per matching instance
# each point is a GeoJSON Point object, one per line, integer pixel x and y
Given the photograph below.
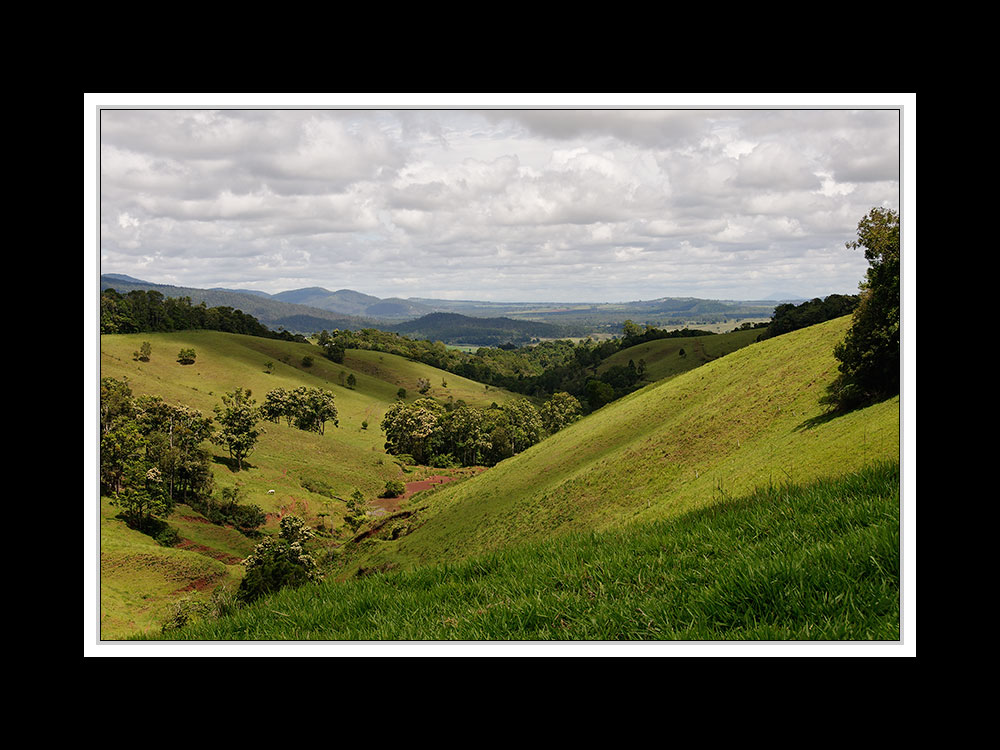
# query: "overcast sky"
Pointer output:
{"type": "Point", "coordinates": [521, 204]}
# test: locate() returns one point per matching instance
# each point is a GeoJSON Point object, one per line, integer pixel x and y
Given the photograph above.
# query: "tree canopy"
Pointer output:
{"type": "Point", "coordinates": [869, 354]}
{"type": "Point", "coordinates": [151, 454]}
{"type": "Point", "coordinates": [238, 417]}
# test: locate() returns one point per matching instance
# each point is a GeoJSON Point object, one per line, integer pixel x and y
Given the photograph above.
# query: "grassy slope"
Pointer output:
{"type": "Point", "coordinates": [817, 562]}
{"type": "Point", "coordinates": [746, 420]}
{"type": "Point", "coordinates": [663, 358]}
{"type": "Point", "coordinates": [139, 579]}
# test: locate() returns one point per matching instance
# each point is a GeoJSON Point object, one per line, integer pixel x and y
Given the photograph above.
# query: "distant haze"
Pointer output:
{"type": "Point", "coordinates": [529, 204]}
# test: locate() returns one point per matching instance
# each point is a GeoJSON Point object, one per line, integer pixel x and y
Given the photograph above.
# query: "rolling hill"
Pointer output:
{"type": "Point", "coordinates": [312, 309]}
{"type": "Point", "coordinates": [742, 421]}
{"type": "Point", "coordinates": [456, 328]}
{"type": "Point", "coordinates": [667, 357]}
{"type": "Point", "coordinates": [140, 580]}
{"type": "Point", "coordinates": [719, 504]}
{"type": "Point", "coordinates": [535, 547]}
{"type": "Point", "coordinates": [273, 313]}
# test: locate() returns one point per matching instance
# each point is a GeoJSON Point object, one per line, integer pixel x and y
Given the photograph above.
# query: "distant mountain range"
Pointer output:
{"type": "Point", "coordinates": [313, 309]}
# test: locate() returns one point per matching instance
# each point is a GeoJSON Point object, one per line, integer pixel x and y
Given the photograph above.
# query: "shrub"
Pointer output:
{"type": "Point", "coordinates": [184, 612]}
{"type": "Point", "coordinates": [167, 536]}
{"type": "Point", "coordinates": [277, 563]}
{"type": "Point", "coordinates": [394, 488]}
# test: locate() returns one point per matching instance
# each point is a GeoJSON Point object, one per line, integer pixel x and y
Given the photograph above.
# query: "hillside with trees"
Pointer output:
{"type": "Point", "coordinates": [456, 328]}
{"type": "Point", "coordinates": [150, 311]}
{"type": "Point", "coordinates": [270, 312]}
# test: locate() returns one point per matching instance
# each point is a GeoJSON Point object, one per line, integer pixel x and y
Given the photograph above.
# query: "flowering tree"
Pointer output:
{"type": "Point", "coordinates": [279, 561]}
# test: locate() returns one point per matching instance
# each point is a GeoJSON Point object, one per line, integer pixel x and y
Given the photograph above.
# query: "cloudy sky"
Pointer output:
{"type": "Point", "coordinates": [522, 204]}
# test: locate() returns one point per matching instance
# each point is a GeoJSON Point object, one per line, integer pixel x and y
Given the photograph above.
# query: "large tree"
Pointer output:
{"type": "Point", "coordinates": [238, 418]}
{"type": "Point", "coordinates": [869, 354]}
{"type": "Point", "coordinates": [559, 411]}
{"type": "Point", "coordinates": [413, 429]}
{"type": "Point", "coordinates": [175, 434]}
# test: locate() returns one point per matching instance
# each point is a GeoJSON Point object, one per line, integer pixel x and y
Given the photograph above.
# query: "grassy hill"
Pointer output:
{"type": "Point", "coordinates": [719, 503]}
{"type": "Point", "coordinates": [462, 329]}
{"type": "Point", "coordinates": [746, 420]}
{"type": "Point", "coordinates": [141, 580]}
{"type": "Point", "coordinates": [816, 562]}
{"type": "Point", "coordinates": [663, 357]}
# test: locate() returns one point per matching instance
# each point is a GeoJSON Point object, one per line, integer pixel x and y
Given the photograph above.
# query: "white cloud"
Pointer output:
{"type": "Point", "coordinates": [519, 204]}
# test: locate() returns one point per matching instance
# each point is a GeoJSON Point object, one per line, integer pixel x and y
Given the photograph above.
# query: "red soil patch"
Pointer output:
{"type": "Point", "coordinates": [391, 504]}
{"type": "Point", "coordinates": [213, 553]}
{"type": "Point", "coordinates": [199, 584]}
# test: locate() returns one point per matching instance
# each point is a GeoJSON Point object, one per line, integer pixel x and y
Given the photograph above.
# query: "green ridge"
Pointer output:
{"type": "Point", "coordinates": [748, 419]}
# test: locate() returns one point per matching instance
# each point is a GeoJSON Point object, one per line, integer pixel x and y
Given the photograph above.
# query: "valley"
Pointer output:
{"type": "Point", "coordinates": [726, 418]}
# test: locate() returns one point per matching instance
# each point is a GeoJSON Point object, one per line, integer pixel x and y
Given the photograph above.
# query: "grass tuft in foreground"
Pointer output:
{"type": "Point", "coordinates": [811, 562]}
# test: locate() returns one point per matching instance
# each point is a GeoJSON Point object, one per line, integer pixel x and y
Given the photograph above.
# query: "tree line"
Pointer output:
{"type": "Point", "coordinates": [431, 434]}
{"type": "Point", "coordinates": [788, 317]}
{"type": "Point", "coordinates": [142, 311]}
{"type": "Point", "coordinates": [537, 371]}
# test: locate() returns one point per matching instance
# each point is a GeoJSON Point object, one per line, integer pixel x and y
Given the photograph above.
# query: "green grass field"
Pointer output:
{"type": "Point", "coordinates": [815, 562]}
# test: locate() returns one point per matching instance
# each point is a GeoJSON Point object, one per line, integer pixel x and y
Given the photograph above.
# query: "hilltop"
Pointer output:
{"type": "Point", "coordinates": [452, 327]}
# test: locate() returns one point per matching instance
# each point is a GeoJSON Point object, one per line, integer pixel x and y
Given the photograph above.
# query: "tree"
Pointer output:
{"type": "Point", "coordinates": [351, 381]}
{"type": "Point", "coordinates": [313, 408]}
{"type": "Point", "coordinates": [238, 417]}
{"type": "Point", "coordinates": [559, 411]}
{"type": "Point", "coordinates": [186, 356]}
{"type": "Point", "coordinates": [144, 351]}
{"type": "Point", "coordinates": [599, 393]}
{"type": "Point", "coordinates": [116, 402]}
{"type": "Point", "coordinates": [174, 435]}
{"type": "Point", "coordinates": [279, 562]}
{"type": "Point", "coordinates": [524, 426]}
{"type": "Point", "coordinates": [278, 404]}
{"type": "Point", "coordinates": [413, 429]}
{"type": "Point", "coordinates": [869, 353]}
{"type": "Point", "coordinates": [335, 351]}
{"type": "Point", "coordinates": [142, 495]}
